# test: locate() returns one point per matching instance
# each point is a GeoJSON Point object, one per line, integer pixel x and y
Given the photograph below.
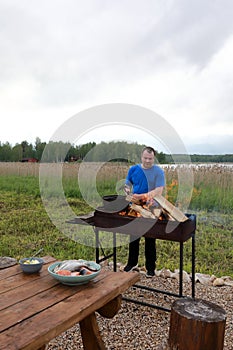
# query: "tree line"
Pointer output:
{"type": "Point", "coordinates": [57, 151]}
{"type": "Point", "coordinates": [25, 151]}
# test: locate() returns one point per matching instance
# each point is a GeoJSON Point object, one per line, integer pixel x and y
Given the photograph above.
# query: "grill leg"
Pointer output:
{"type": "Point", "coordinates": [98, 247]}
{"type": "Point", "coordinates": [193, 265]}
{"type": "Point", "coordinates": [114, 252]}
{"type": "Point", "coordinates": [181, 269]}
{"type": "Point", "coordinates": [97, 252]}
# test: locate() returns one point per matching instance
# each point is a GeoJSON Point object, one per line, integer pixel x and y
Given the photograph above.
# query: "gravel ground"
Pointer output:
{"type": "Point", "coordinates": [144, 328]}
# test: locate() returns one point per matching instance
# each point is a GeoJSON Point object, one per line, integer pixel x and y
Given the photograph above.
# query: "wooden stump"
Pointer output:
{"type": "Point", "coordinates": [196, 324]}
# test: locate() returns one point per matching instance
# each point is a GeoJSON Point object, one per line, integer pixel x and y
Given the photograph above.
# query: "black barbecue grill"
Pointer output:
{"type": "Point", "coordinates": [108, 218]}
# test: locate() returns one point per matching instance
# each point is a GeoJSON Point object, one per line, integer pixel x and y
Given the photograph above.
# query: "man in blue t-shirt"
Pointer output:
{"type": "Point", "coordinates": [146, 180]}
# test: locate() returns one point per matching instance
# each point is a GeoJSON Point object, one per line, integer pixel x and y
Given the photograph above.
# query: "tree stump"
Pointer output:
{"type": "Point", "coordinates": [196, 324]}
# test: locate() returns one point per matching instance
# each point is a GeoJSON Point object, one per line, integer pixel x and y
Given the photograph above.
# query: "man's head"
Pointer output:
{"type": "Point", "coordinates": [148, 157]}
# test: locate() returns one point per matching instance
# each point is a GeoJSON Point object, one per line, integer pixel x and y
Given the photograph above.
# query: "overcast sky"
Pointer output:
{"type": "Point", "coordinates": [174, 57]}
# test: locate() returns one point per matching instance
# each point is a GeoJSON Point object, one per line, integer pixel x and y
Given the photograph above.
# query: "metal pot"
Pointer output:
{"type": "Point", "coordinates": [114, 203]}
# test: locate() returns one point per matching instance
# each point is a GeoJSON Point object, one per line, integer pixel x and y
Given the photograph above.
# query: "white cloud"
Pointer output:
{"type": "Point", "coordinates": [174, 57]}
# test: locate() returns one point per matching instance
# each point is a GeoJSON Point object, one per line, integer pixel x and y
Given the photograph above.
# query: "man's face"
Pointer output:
{"type": "Point", "coordinates": [147, 159]}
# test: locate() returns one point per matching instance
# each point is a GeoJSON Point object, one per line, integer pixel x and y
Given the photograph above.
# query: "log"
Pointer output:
{"type": "Point", "coordinates": [171, 209]}
{"type": "Point", "coordinates": [167, 208]}
{"type": "Point", "coordinates": [157, 212]}
{"type": "Point", "coordinates": [130, 198]}
{"type": "Point", "coordinates": [144, 213]}
{"type": "Point", "coordinates": [196, 324]}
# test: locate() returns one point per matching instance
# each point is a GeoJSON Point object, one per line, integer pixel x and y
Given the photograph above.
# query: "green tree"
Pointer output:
{"type": "Point", "coordinates": [5, 152]}
{"type": "Point", "coordinates": [27, 150]}
{"type": "Point", "coordinates": [16, 153]}
{"type": "Point", "coordinates": [39, 148]}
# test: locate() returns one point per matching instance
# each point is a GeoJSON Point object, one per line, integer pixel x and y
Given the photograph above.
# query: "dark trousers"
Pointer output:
{"type": "Point", "coordinates": [150, 253]}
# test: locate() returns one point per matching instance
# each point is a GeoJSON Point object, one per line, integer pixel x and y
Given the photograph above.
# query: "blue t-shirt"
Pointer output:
{"type": "Point", "coordinates": [145, 180]}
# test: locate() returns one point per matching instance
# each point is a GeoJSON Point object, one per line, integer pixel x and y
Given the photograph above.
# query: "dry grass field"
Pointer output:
{"type": "Point", "coordinates": [212, 185]}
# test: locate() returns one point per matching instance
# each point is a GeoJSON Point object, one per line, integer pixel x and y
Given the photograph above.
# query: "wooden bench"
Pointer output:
{"type": "Point", "coordinates": [36, 308]}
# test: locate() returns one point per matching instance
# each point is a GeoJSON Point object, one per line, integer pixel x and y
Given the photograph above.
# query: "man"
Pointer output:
{"type": "Point", "coordinates": [146, 180]}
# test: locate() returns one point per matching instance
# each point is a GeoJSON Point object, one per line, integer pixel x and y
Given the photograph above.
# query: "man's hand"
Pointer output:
{"type": "Point", "coordinates": [142, 196]}
{"type": "Point", "coordinates": [148, 196]}
{"type": "Point", "coordinates": [127, 190]}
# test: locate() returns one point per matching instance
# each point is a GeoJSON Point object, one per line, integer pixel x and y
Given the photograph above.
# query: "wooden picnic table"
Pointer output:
{"type": "Point", "coordinates": [36, 308]}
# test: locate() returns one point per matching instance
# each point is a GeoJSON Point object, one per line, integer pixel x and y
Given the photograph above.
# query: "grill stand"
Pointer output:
{"type": "Point", "coordinates": [180, 234]}
{"type": "Point", "coordinates": [114, 255]}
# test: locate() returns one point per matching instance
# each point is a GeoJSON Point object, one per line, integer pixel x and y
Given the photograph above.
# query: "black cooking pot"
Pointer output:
{"type": "Point", "coordinates": [114, 203]}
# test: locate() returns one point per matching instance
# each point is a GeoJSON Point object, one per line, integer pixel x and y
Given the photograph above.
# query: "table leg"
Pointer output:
{"type": "Point", "coordinates": [90, 333]}
{"type": "Point", "coordinates": [111, 309]}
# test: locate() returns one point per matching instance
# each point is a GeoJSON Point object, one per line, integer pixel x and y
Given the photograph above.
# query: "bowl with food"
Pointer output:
{"type": "Point", "coordinates": [31, 265]}
{"type": "Point", "coordinates": [74, 272]}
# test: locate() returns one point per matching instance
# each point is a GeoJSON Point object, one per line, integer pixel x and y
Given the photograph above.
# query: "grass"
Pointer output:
{"type": "Point", "coordinates": [25, 225]}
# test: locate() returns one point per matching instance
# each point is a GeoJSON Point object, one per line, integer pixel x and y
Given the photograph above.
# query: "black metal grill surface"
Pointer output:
{"type": "Point", "coordinates": [161, 229]}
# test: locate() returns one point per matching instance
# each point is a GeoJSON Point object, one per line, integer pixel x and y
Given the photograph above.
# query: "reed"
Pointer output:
{"type": "Point", "coordinates": [212, 186]}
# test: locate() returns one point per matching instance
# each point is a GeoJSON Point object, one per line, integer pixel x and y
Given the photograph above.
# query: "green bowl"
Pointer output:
{"type": "Point", "coordinates": [75, 280]}
{"type": "Point", "coordinates": [30, 267]}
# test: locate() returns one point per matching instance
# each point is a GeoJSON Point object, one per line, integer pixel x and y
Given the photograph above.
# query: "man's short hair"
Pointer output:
{"type": "Point", "coordinates": [149, 150]}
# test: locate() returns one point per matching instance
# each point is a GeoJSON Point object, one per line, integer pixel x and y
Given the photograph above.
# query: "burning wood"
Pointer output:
{"type": "Point", "coordinates": [157, 208]}
{"type": "Point", "coordinates": [144, 212]}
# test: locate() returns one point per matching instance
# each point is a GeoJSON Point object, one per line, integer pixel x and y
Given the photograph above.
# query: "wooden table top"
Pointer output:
{"type": "Point", "coordinates": [36, 308]}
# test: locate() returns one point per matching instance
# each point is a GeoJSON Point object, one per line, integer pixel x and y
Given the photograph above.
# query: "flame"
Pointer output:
{"type": "Point", "coordinates": [130, 212]}
{"type": "Point", "coordinates": [133, 213]}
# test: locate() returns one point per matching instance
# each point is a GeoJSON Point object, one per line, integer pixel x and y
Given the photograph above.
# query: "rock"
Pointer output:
{"type": "Point", "coordinates": [228, 281]}
{"type": "Point", "coordinates": [203, 279]}
{"type": "Point", "coordinates": [165, 273]}
{"type": "Point", "coordinates": [212, 278]}
{"type": "Point", "coordinates": [6, 261]}
{"type": "Point", "coordinates": [218, 282]}
{"type": "Point", "coordinates": [157, 273]}
{"type": "Point", "coordinates": [176, 275]}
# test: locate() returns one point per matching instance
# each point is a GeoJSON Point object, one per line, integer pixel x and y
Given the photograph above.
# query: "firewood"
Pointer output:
{"type": "Point", "coordinates": [157, 212]}
{"type": "Point", "coordinates": [144, 212]}
{"type": "Point", "coordinates": [171, 209]}
{"type": "Point", "coordinates": [130, 198]}
{"type": "Point", "coordinates": [167, 216]}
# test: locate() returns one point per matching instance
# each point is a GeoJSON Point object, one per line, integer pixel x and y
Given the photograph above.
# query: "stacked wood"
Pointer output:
{"type": "Point", "coordinates": [165, 208]}
{"type": "Point", "coordinates": [171, 209]}
{"type": "Point", "coordinates": [130, 198]}
{"type": "Point", "coordinates": [144, 212]}
{"type": "Point", "coordinates": [196, 324]}
{"type": "Point", "coordinates": [157, 212]}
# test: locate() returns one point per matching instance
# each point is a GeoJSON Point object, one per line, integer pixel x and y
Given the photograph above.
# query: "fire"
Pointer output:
{"type": "Point", "coordinates": [147, 210]}
{"type": "Point", "coordinates": [130, 212]}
